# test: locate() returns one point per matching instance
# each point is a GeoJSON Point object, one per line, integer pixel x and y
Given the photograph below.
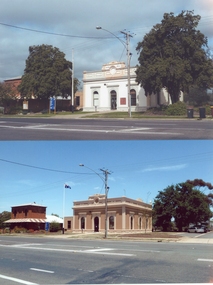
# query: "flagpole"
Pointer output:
{"type": "Point", "coordinates": [63, 208]}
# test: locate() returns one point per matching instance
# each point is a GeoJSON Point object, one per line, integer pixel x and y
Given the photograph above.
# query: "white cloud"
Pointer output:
{"type": "Point", "coordinates": [79, 18]}
{"type": "Point", "coordinates": [165, 168]}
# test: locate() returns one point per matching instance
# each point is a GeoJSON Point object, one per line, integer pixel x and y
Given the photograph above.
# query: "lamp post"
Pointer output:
{"type": "Point", "coordinates": [106, 173]}
{"type": "Point", "coordinates": [65, 187]}
{"type": "Point", "coordinates": [126, 45]}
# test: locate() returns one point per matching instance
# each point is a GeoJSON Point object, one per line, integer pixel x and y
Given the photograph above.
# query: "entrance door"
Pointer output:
{"type": "Point", "coordinates": [113, 100]}
{"type": "Point", "coordinates": [96, 224]}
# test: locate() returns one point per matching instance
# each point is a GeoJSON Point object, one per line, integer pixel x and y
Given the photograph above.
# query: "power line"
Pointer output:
{"type": "Point", "coordinates": [38, 167]}
{"type": "Point", "coordinates": [51, 33]}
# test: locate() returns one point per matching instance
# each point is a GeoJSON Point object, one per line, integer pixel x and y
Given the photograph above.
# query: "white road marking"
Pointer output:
{"type": "Point", "coordinates": [98, 251]}
{"type": "Point", "coordinates": [148, 250]}
{"type": "Point", "coordinates": [127, 131]}
{"type": "Point", "coordinates": [203, 259]}
{"type": "Point", "coordinates": [24, 244]}
{"type": "Point", "coordinates": [17, 280]}
{"type": "Point", "coordinates": [42, 270]}
{"type": "Point", "coordinates": [85, 270]}
{"type": "Point", "coordinates": [136, 129]}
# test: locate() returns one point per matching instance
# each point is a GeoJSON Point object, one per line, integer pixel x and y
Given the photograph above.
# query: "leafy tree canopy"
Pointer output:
{"type": "Point", "coordinates": [55, 215]}
{"type": "Point", "coordinates": [47, 73]}
{"type": "Point", "coordinates": [6, 93]}
{"type": "Point", "coordinates": [174, 55]}
{"type": "Point", "coordinates": [184, 203]}
{"type": "Point", "coordinates": [4, 216]}
{"type": "Point", "coordinates": [196, 96]}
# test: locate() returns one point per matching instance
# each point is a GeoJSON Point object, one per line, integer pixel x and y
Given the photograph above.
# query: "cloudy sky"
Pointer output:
{"type": "Point", "coordinates": [70, 26]}
{"type": "Point", "coordinates": [37, 171]}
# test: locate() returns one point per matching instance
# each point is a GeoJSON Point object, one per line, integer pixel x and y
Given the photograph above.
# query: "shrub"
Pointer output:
{"type": "Point", "coordinates": [19, 230]}
{"type": "Point", "coordinates": [14, 110]}
{"type": "Point", "coordinates": [208, 110]}
{"type": "Point", "coordinates": [55, 227]}
{"type": "Point", "coordinates": [176, 109]}
{"type": "Point", "coordinates": [30, 231]}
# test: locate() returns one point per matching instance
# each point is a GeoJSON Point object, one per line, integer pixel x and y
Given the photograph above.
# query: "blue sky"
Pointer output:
{"type": "Point", "coordinates": [37, 171]}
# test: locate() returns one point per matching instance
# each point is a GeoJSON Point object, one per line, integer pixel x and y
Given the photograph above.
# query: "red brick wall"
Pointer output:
{"type": "Point", "coordinates": [22, 212]}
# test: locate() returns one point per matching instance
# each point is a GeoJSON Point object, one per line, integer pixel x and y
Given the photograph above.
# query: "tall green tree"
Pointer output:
{"type": "Point", "coordinates": [4, 216]}
{"type": "Point", "coordinates": [174, 55]}
{"type": "Point", "coordinates": [183, 203]}
{"type": "Point", "coordinates": [196, 96]}
{"type": "Point", "coordinates": [47, 73]}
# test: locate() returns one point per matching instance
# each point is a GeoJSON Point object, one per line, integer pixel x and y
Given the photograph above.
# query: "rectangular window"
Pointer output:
{"type": "Point", "coordinates": [77, 101]}
{"type": "Point", "coordinates": [68, 225]}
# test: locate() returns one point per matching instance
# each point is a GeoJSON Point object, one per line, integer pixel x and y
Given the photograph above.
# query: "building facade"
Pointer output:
{"type": "Point", "coordinates": [123, 214]}
{"type": "Point", "coordinates": [29, 216]}
{"type": "Point", "coordinates": [107, 90]}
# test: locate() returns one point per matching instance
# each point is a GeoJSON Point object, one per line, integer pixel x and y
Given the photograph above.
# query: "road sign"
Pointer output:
{"type": "Point", "coordinates": [52, 103]}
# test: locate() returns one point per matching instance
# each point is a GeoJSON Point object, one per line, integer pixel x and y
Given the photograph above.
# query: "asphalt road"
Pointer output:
{"type": "Point", "coordinates": [74, 261]}
{"type": "Point", "coordinates": [104, 129]}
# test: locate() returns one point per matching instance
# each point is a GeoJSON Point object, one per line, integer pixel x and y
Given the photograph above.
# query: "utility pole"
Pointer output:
{"type": "Point", "coordinates": [72, 98]}
{"type": "Point", "coordinates": [105, 171]}
{"type": "Point", "coordinates": [127, 35]}
{"type": "Point", "coordinates": [126, 45]}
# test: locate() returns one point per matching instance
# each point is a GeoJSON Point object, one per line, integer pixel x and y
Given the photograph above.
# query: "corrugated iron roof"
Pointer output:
{"type": "Point", "coordinates": [25, 221]}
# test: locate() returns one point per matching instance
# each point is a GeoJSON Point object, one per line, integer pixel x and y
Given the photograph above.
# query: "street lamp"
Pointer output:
{"type": "Point", "coordinates": [106, 193]}
{"type": "Point", "coordinates": [126, 45]}
{"type": "Point", "coordinates": [65, 186]}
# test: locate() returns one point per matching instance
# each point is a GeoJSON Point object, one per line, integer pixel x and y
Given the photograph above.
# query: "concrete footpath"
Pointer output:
{"type": "Point", "coordinates": [100, 236]}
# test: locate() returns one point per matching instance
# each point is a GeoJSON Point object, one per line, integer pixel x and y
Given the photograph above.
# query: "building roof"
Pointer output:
{"type": "Point", "coordinates": [14, 78]}
{"type": "Point", "coordinates": [52, 218]}
{"type": "Point", "coordinates": [98, 200]}
{"type": "Point", "coordinates": [26, 220]}
{"type": "Point", "coordinates": [49, 219]}
{"type": "Point", "coordinates": [29, 204]}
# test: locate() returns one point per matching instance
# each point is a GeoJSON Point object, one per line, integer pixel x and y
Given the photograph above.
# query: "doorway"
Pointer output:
{"type": "Point", "coordinates": [96, 224]}
{"type": "Point", "coordinates": [113, 100]}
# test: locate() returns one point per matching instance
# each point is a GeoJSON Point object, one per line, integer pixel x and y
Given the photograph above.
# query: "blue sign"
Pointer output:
{"type": "Point", "coordinates": [47, 226]}
{"type": "Point", "coordinates": [52, 103]}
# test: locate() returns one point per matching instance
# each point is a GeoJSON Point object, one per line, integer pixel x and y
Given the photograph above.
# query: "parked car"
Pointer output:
{"type": "Point", "coordinates": [195, 230]}
{"type": "Point", "coordinates": [205, 229]}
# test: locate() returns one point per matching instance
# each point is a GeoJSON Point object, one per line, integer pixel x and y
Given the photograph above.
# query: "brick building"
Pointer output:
{"type": "Point", "coordinates": [14, 83]}
{"type": "Point", "coordinates": [28, 216]}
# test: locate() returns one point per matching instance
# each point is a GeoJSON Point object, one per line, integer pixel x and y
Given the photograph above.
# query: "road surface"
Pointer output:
{"type": "Point", "coordinates": [74, 261]}
{"type": "Point", "coordinates": [104, 129]}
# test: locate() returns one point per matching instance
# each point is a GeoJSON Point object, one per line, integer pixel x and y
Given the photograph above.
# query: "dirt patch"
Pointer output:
{"type": "Point", "coordinates": [152, 235]}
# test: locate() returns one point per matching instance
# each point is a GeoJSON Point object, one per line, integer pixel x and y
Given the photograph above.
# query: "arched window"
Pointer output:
{"type": "Point", "coordinates": [113, 100]}
{"type": "Point", "coordinates": [133, 97]}
{"type": "Point", "coordinates": [82, 223]}
{"type": "Point", "coordinates": [111, 222]}
{"type": "Point", "coordinates": [95, 98]}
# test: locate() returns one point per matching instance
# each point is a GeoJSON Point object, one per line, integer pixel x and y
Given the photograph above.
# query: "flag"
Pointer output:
{"type": "Point", "coordinates": [67, 186]}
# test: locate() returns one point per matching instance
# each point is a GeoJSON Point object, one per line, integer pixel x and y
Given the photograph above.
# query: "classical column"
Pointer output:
{"type": "Point", "coordinates": [123, 217]}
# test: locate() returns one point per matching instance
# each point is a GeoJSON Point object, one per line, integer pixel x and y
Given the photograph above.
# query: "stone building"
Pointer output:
{"type": "Point", "coordinates": [123, 214]}
{"type": "Point", "coordinates": [107, 89]}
